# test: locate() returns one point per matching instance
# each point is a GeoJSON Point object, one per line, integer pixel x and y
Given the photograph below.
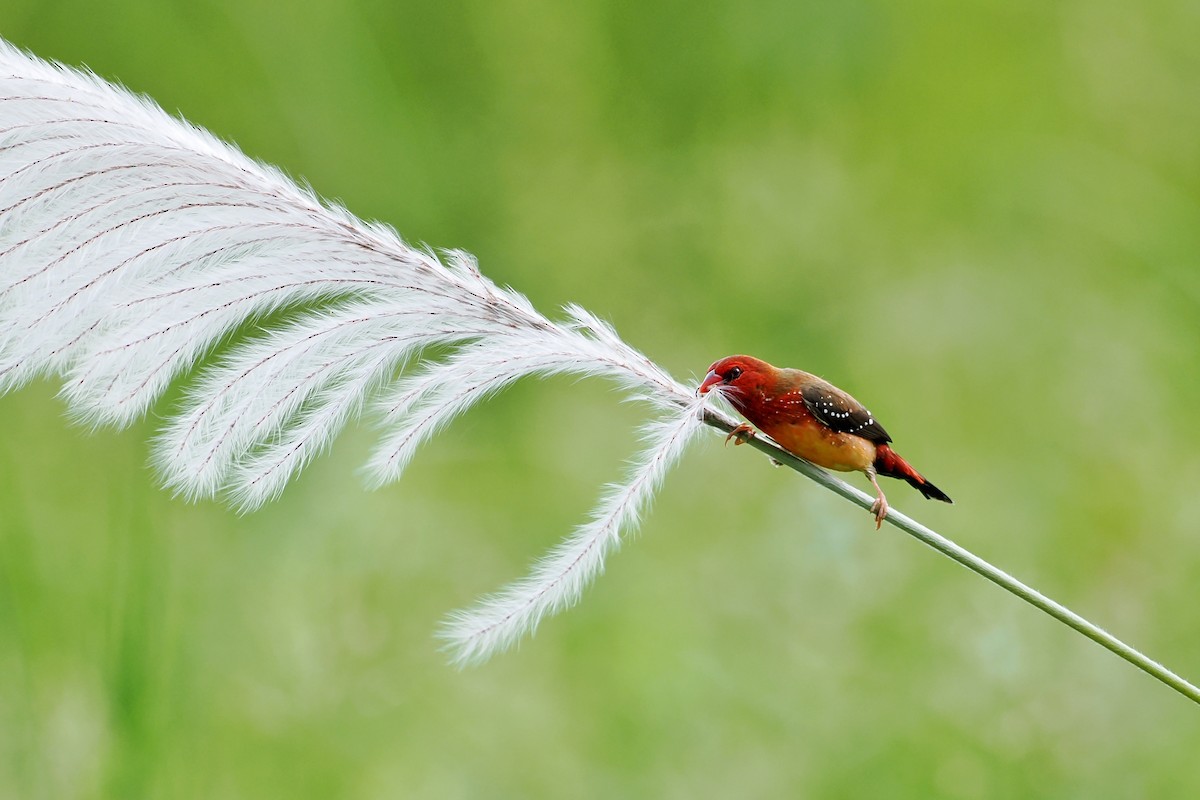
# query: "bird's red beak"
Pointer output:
{"type": "Point", "coordinates": [710, 380]}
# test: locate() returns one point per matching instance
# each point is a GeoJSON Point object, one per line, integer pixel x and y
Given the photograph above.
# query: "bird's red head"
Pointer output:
{"type": "Point", "coordinates": [737, 375]}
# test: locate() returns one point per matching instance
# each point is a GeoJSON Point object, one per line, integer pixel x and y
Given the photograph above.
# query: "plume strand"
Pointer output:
{"type": "Point", "coordinates": [557, 580]}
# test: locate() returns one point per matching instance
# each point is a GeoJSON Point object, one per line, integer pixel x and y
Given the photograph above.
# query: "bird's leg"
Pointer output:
{"type": "Point", "coordinates": [742, 433]}
{"type": "Point", "coordinates": [880, 507]}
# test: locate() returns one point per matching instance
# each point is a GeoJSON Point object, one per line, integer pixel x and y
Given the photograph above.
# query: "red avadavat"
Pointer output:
{"type": "Point", "coordinates": [815, 420]}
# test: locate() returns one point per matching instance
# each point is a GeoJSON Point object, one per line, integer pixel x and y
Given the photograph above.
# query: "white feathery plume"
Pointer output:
{"type": "Point", "coordinates": [133, 246]}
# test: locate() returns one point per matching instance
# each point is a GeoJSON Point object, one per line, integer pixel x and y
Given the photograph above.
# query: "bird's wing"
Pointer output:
{"type": "Point", "coordinates": [841, 412]}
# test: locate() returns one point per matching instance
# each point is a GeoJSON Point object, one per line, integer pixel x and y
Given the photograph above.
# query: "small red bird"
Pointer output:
{"type": "Point", "coordinates": [814, 420]}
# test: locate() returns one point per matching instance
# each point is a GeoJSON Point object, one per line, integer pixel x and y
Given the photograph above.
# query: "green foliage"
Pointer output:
{"type": "Point", "coordinates": [981, 219]}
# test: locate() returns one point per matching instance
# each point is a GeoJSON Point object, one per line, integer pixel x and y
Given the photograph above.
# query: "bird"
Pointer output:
{"type": "Point", "coordinates": [815, 420]}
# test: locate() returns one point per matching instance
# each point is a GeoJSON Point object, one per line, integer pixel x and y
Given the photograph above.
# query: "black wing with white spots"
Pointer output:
{"type": "Point", "coordinates": [841, 412]}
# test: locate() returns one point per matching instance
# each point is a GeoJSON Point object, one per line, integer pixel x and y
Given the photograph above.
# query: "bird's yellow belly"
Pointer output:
{"type": "Point", "coordinates": [814, 442]}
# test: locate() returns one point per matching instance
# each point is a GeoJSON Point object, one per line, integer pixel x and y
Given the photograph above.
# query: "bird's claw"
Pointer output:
{"type": "Point", "coordinates": [741, 434]}
{"type": "Point", "coordinates": [880, 509]}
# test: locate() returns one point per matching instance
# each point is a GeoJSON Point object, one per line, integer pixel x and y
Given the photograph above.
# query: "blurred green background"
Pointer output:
{"type": "Point", "coordinates": [981, 218]}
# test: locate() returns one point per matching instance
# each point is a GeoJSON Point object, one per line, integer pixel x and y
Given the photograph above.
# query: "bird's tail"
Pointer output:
{"type": "Point", "coordinates": [888, 462]}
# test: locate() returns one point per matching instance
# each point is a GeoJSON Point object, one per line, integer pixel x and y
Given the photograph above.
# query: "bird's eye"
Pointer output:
{"type": "Point", "coordinates": [733, 374]}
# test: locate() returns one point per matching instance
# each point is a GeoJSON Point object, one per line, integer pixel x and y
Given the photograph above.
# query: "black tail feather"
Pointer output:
{"type": "Point", "coordinates": [888, 462]}
{"type": "Point", "coordinates": [930, 491]}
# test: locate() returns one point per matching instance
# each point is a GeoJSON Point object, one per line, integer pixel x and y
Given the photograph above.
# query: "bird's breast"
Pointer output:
{"type": "Point", "coordinates": [799, 432]}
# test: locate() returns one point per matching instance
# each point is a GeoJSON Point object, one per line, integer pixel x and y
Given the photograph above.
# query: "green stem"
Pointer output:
{"type": "Point", "coordinates": [967, 559]}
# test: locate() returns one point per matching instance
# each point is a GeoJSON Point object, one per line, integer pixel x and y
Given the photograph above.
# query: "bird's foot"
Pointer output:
{"type": "Point", "coordinates": [741, 434]}
{"type": "Point", "coordinates": [880, 509]}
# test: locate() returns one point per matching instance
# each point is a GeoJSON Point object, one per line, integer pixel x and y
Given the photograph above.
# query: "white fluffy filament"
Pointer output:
{"type": "Point", "coordinates": [134, 246]}
{"type": "Point", "coordinates": [557, 580]}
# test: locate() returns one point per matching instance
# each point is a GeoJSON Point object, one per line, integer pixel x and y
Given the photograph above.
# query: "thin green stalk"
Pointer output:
{"type": "Point", "coordinates": [968, 560]}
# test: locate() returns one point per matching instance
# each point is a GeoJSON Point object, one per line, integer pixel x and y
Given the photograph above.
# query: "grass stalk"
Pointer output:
{"type": "Point", "coordinates": [968, 559]}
